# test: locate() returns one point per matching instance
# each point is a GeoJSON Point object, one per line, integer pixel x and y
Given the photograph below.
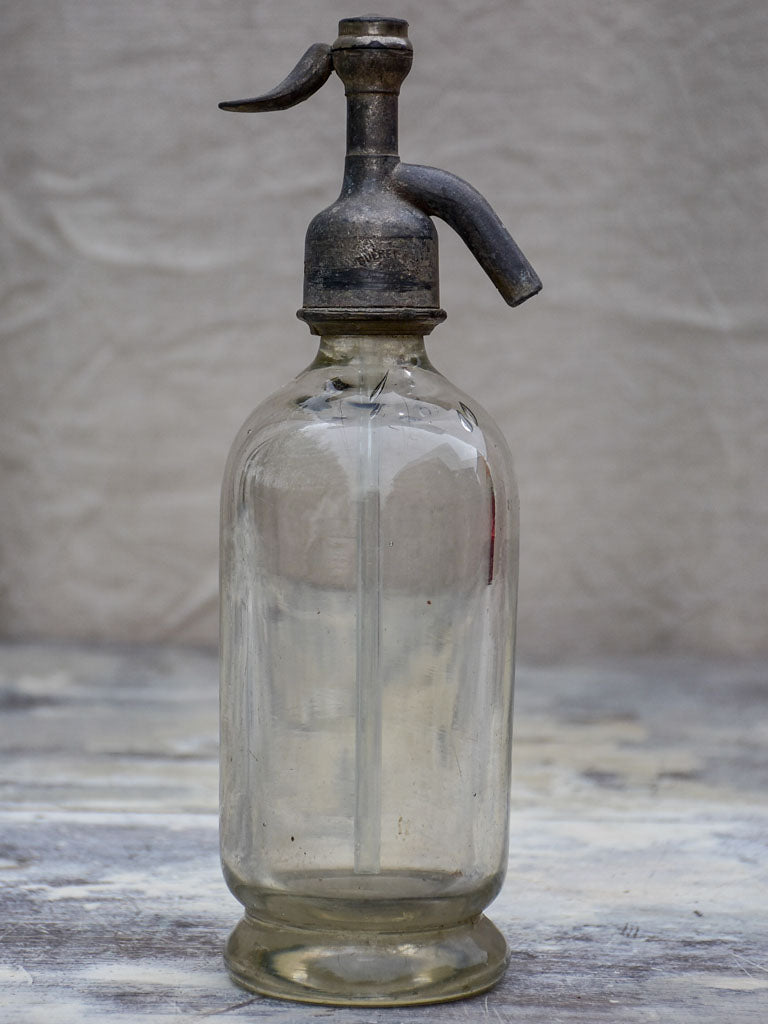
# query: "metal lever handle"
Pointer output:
{"type": "Point", "coordinates": [312, 72]}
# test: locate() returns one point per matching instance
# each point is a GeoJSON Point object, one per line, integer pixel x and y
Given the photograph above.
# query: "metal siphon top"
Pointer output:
{"type": "Point", "coordinates": [371, 258]}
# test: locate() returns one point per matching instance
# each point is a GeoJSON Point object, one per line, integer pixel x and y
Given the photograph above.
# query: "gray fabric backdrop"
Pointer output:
{"type": "Point", "coordinates": [152, 252]}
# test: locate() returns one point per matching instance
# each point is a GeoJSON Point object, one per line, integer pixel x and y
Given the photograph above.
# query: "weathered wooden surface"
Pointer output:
{"type": "Point", "coordinates": [637, 888]}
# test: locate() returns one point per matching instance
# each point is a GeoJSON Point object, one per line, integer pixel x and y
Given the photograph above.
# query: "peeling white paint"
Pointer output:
{"type": "Point", "coordinates": [730, 982]}
{"type": "Point", "coordinates": [15, 974]}
{"type": "Point", "coordinates": [166, 973]}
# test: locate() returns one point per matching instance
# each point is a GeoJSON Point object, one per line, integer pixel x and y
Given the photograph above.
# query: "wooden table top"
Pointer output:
{"type": "Point", "coordinates": [638, 876]}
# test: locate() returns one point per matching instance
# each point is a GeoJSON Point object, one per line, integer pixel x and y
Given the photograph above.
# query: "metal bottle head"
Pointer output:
{"type": "Point", "coordinates": [371, 258]}
{"type": "Point", "coordinates": [387, 39]}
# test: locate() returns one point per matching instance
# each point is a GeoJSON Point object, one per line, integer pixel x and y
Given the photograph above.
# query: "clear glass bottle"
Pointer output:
{"type": "Point", "coordinates": [368, 572]}
{"type": "Point", "coordinates": [368, 581]}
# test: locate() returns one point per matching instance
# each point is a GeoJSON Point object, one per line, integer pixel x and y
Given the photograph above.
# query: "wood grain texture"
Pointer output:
{"type": "Point", "coordinates": [637, 887]}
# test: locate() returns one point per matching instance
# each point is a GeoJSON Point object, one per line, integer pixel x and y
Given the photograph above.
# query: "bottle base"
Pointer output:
{"type": "Point", "coordinates": [364, 968]}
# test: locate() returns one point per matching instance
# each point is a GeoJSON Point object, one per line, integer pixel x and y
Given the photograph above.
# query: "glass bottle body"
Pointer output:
{"type": "Point", "coordinates": [368, 586]}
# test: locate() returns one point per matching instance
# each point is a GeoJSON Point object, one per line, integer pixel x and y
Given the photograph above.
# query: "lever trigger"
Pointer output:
{"type": "Point", "coordinates": [311, 72]}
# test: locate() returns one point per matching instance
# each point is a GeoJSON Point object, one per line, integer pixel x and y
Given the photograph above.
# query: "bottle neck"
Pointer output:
{"type": "Point", "coordinates": [372, 124]}
{"type": "Point", "coordinates": [366, 349]}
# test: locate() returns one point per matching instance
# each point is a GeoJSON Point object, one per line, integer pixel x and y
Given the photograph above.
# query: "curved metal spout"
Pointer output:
{"type": "Point", "coordinates": [444, 195]}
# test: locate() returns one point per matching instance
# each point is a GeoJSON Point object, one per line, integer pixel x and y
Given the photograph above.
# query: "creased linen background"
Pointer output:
{"type": "Point", "coordinates": [151, 268]}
